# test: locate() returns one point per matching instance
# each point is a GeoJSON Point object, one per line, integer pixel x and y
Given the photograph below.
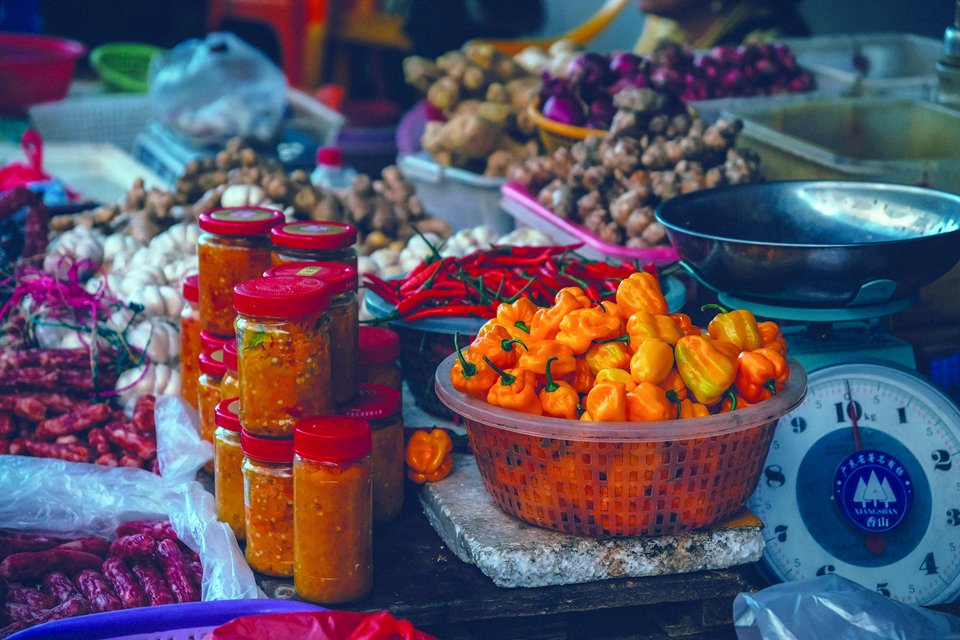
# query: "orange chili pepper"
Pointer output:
{"type": "Point", "coordinates": [607, 402]}
{"type": "Point", "coordinates": [640, 292]}
{"type": "Point", "coordinates": [517, 317]}
{"type": "Point", "coordinates": [686, 324]}
{"type": "Point", "coordinates": [499, 345]}
{"type": "Point", "coordinates": [707, 370]}
{"type": "Point", "coordinates": [771, 337]}
{"type": "Point", "coordinates": [582, 377]}
{"type": "Point", "coordinates": [690, 409]}
{"type": "Point", "coordinates": [738, 326]}
{"type": "Point", "coordinates": [761, 374]}
{"type": "Point", "coordinates": [559, 399]}
{"type": "Point", "coordinates": [517, 390]}
{"type": "Point", "coordinates": [428, 455]}
{"type": "Point", "coordinates": [469, 375]}
{"type": "Point", "coordinates": [647, 403]}
{"type": "Point", "coordinates": [546, 321]}
{"type": "Point", "coordinates": [615, 375]}
{"type": "Point", "coordinates": [673, 382]}
{"type": "Point", "coordinates": [580, 327]}
{"type": "Point", "coordinates": [536, 356]}
{"type": "Point", "coordinates": [652, 361]}
{"type": "Point", "coordinates": [609, 355]}
{"type": "Point", "coordinates": [643, 324]}
{"type": "Point", "coordinates": [731, 402]}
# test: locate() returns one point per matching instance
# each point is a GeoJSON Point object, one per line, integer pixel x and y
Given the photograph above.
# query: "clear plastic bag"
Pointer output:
{"type": "Point", "coordinates": [70, 499]}
{"type": "Point", "coordinates": [833, 607]}
{"type": "Point", "coordinates": [213, 89]}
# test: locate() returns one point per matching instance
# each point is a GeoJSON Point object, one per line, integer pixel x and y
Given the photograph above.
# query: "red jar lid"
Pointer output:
{"type": "Point", "coordinates": [281, 297]}
{"type": "Point", "coordinates": [314, 235]}
{"type": "Point", "coordinates": [266, 449]}
{"type": "Point", "coordinates": [230, 355]}
{"type": "Point", "coordinates": [191, 288]}
{"type": "Point", "coordinates": [330, 156]}
{"type": "Point", "coordinates": [373, 402]}
{"type": "Point", "coordinates": [240, 221]}
{"type": "Point", "coordinates": [211, 363]}
{"type": "Point", "coordinates": [332, 438]}
{"type": "Point", "coordinates": [226, 414]}
{"type": "Point", "coordinates": [377, 345]}
{"type": "Point", "coordinates": [339, 277]}
{"type": "Point", "coordinates": [211, 341]}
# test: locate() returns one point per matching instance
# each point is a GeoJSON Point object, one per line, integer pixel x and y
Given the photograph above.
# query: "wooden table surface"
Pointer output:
{"type": "Point", "coordinates": [418, 578]}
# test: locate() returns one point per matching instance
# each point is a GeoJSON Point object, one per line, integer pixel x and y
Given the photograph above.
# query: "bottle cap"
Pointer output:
{"type": "Point", "coordinates": [340, 278]}
{"type": "Point", "coordinates": [240, 221]}
{"type": "Point", "coordinates": [314, 235]}
{"type": "Point", "coordinates": [226, 414]}
{"type": "Point", "coordinates": [332, 438]}
{"type": "Point", "coordinates": [230, 355]}
{"type": "Point", "coordinates": [266, 449]}
{"type": "Point", "coordinates": [377, 345]}
{"type": "Point", "coordinates": [191, 288]}
{"type": "Point", "coordinates": [281, 297]}
{"type": "Point", "coordinates": [373, 402]}
{"type": "Point", "coordinates": [211, 341]}
{"type": "Point", "coordinates": [330, 156]}
{"type": "Point", "coordinates": [211, 363]}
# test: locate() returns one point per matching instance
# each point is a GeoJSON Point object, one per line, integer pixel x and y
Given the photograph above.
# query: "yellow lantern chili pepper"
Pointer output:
{"type": "Point", "coordinates": [609, 355]}
{"type": "Point", "coordinates": [428, 455]}
{"type": "Point", "coordinates": [580, 327]}
{"type": "Point", "coordinates": [536, 356]}
{"type": "Point", "coordinates": [643, 324]}
{"type": "Point", "coordinates": [559, 399]}
{"type": "Point", "coordinates": [517, 316]}
{"type": "Point", "coordinates": [762, 372]}
{"type": "Point", "coordinates": [469, 374]}
{"type": "Point", "coordinates": [652, 361]}
{"type": "Point", "coordinates": [582, 377]}
{"type": "Point", "coordinates": [607, 402]}
{"type": "Point", "coordinates": [647, 403]}
{"type": "Point", "coordinates": [586, 417]}
{"type": "Point", "coordinates": [673, 382]}
{"type": "Point", "coordinates": [517, 390]}
{"type": "Point", "coordinates": [686, 324]}
{"type": "Point", "coordinates": [738, 326]}
{"type": "Point", "coordinates": [615, 375]}
{"type": "Point", "coordinates": [546, 321]}
{"type": "Point", "coordinates": [611, 308]}
{"type": "Point", "coordinates": [499, 345]}
{"type": "Point", "coordinates": [640, 292]}
{"type": "Point", "coordinates": [706, 370]}
{"type": "Point", "coordinates": [771, 337]}
{"type": "Point", "coordinates": [690, 409]}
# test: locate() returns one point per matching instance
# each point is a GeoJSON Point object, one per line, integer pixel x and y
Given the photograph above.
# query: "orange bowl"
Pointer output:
{"type": "Point", "coordinates": [616, 479]}
{"type": "Point", "coordinates": [555, 134]}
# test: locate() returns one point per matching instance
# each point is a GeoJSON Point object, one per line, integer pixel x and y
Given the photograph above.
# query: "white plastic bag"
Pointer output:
{"type": "Point", "coordinates": [213, 89]}
{"type": "Point", "coordinates": [833, 607]}
{"type": "Point", "coordinates": [69, 499]}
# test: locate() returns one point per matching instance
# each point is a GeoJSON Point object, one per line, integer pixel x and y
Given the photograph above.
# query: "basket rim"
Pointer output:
{"type": "Point", "coordinates": [489, 415]}
{"type": "Point", "coordinates": [558, 128]}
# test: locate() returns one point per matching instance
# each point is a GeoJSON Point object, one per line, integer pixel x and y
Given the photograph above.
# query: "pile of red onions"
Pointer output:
{"type": "Point", "coordinates": [584, 95]}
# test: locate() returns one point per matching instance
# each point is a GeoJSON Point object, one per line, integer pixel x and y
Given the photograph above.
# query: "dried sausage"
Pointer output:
{"type": "Point", "coordinates": [31, 565]}
{"type": "Point", "coordinates": [123, 582]}
{"type": "Point", "coordinates": [137, 546]}
{"type": "Point", "coordinates": [171, 560]}
{"type": "Point", "coordinates": [98, 591]}
{"type": "Point", "coordinates": [154, 586]}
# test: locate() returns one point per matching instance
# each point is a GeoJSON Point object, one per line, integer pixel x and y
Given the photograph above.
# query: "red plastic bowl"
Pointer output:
{"type": "Point", "coordinates": [35, 69]}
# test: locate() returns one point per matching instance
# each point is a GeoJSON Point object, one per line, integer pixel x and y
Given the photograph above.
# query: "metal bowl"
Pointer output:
{"type": "Point", "coordinates": [815, 243]}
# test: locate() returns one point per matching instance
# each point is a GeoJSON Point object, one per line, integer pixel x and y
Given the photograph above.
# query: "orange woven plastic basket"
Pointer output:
{"type": "Point", "coordinates": [616, 479]}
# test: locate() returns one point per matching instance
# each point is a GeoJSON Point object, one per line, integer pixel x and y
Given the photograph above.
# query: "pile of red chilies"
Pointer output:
{"type": "Point", "coordinates": [477, 283]}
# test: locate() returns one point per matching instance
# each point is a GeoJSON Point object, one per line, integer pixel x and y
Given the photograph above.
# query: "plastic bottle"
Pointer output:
{"type": "Point", "coordinates": [330, 172]}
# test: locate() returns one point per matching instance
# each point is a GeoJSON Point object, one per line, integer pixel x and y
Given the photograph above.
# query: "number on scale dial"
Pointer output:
{"type": "Point", "coordinates": [863, 480]}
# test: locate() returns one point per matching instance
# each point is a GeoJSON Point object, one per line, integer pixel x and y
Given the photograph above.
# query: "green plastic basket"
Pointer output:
{"type": "Point", "coordinates": [123, 66]}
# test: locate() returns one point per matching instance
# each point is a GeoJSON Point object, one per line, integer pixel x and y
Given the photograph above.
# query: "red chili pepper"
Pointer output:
{"type": "Point", "coordinates": [480, 310]}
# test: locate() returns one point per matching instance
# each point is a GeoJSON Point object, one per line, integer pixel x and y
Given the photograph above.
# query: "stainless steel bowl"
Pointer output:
{"type": "Point", "coordinates": [815, 243]}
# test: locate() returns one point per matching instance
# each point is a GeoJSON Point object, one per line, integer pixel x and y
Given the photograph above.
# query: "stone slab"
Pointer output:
{"type": "Point", "coordinates": [515, 554]}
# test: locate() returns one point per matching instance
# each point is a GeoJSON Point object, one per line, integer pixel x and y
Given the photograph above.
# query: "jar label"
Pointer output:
{"type": "Point", "coordinates": [308, 271]}
{"type": "Point", "coordinates": [314, 229]}
{"type": "Point", "coordinates": [244, 215]}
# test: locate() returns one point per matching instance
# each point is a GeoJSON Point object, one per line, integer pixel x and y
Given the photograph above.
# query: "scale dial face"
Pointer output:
{"type": "Point", "coordinates": [863, 480]}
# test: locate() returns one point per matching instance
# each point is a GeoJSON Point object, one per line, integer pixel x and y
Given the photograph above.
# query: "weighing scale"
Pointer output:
{"type": "Point", "coordinates": [863, 478]}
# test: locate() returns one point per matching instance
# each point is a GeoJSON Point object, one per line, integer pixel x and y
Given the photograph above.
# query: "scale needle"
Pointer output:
{"type": "Point", "coordinates": [852, 412]}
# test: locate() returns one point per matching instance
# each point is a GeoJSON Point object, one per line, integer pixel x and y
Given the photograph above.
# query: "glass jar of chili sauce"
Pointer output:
{"type": "Point", "coordinates": [208, 395]}
{"type": "Point", "coordinates": [283, 353]}
{"type": "Point", "coordinates": [381, 406]}
{"type": "Point", "coordinates": [314, 242]}
{"type": "Point", "coordinates": [234, 246]}
{"type": "Point", "coordinates": [228, 467]}
{"type": "Point", "coordinates": [377, 363]}
{"type": "Point", "coordinates": [230, 383]}
{"type": "Point", "coordinates": [268, 503]}
{"type": "Point", "coordinates": [190, 349]}
{"type": "Point", "coordinates": [333, 509]}
{"type": "Point", "coordinates": [344, 313]}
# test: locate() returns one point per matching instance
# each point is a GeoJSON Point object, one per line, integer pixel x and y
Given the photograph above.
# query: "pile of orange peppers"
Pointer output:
{"type": "Point", "coordinates": [628, 360]}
